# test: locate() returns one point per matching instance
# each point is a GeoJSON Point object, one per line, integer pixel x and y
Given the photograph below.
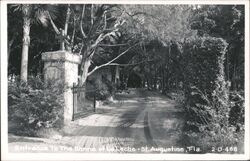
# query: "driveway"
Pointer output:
{"type": "Point", "coordinates": [138, 121]}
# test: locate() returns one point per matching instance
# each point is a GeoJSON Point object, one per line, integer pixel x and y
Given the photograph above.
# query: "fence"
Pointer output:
{"type": "Point", "coordinates": [84, 101]}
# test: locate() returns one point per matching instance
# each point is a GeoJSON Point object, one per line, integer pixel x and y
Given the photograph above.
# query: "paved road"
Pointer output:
{"type": "Point", "coordinates": [134, 123]}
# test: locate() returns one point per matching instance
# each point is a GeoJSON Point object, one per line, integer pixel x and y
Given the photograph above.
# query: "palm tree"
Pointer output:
{"type": "Point", "coordinates": [26, 10]}
{"type": "Point", "coordinates": [30, 13]}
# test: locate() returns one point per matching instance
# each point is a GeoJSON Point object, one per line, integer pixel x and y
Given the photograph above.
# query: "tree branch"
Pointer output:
{"type": "Point", "coordinates": [143, 13]}
{"type": "Point", "coordinates": [53, 24]}
{"type": "Point", "coordinates": [83, 11]}
{"type": "Point", "coordinates": [67, 20]}
{"type": "Point", "coordinates": [80, 51]}
{"type": "Point", "coordinates": [111, 45]}
{"type": "Point", "coordinates": [92, 14]}
{"type": "Point", "coordinates": [56, 28]}
{"type": "Point", "coordinates": [10, 43]}
{"type": "Point", "coordinates": [102, 37]}
{"type": "Point", "coordinates": [92, 52]}
{"type": "Point", "coordinates": [74, 30]}
{"type": "Point", "coordinates": [12, 40]}
{"type": "Point", "coordinates": [108, 63]}
{"type": "Point", "coordinates": [105, 21]}
{"type": "Point", "coordinates": [116, 64]}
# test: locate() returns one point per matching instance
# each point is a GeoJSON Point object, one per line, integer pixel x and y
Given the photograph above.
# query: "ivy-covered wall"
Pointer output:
{"type": "Point", "coordinates": [205, 86]}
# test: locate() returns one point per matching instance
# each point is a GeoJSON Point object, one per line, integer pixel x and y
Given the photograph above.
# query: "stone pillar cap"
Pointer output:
{"type": "Point", "coordinates": [64, 56]}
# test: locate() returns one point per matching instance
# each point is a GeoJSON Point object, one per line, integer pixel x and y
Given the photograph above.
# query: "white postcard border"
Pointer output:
{"type": "Point", "coordinates": [6, 155]}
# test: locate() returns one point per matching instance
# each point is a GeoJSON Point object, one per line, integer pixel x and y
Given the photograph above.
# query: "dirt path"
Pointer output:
{"type": "Point", "coordinates": [134, 123]}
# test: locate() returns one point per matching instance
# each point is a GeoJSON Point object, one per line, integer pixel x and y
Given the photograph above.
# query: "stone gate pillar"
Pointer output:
{"type": "Point", "coordinates": [62, 66]}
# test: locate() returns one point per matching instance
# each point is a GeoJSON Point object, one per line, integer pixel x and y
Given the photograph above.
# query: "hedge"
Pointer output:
{"type": "Point", "coordinates": [210, 123]}
{"type": "Point", "coordinates": [34, 105]}
{"type": "Point", "coordinates": [205, 86]}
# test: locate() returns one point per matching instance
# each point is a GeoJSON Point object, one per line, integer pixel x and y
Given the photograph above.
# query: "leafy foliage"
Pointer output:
{"type": "Point", "coordinates": [207, 94]}
{"type": "Point", "coordinates": [104, 88]}
{"type": "Point", "coordinates": [34, 105]}
{"type": "Point", "coordinates": [41, 37]}
{"type": "Point", "coordinates": [160, 22]}
{"type": "Point", "coordinates": [227, 22]}
{"type": "Point", "coordinates": [174, 57]}
{"type": "Point", "coordinates": [205, 86]}
{"type": "Point", "coordinates": [237, 110]}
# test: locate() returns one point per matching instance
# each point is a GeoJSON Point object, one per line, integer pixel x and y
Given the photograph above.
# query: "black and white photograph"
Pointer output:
{"type": "Point", "coordinates": [128, 80]}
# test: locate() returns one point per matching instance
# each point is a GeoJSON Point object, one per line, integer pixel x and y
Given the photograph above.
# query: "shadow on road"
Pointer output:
{"type": "Point", "coordinates": [147, 132]}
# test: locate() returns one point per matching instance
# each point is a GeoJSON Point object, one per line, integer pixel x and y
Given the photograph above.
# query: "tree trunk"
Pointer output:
{"type": "Point", "coordinates": [83, 77]}
{"type": "Point", "coordinates": [67, 20]}
{"type": "Point", "coordinates": [167, 75]}
{"type": "Point", "coordinates": [227, 67]}
{"type": "Point", "coordinates": [10, 43]}
{"type": "Point", "coordinates": [84, 72]}
{"type": "Point", "coordinates": [26, 42]}
{"type": "Point", "coordinates": [147, 80]}
{"type": "Point", "coordinates": [234, 84]}
{"type": "Point", "coordinates": [143, 82]}
{"type": "Point", "coordinates": [155, 82]}
{"type": "Point", "coordinates": [117, 76]}
{"type": "Point", "coordinates": [65, 32]}
{"type": "Point", "coordinates": [163, 80]}
{"type": "Point", "coordinates": [150, 83]}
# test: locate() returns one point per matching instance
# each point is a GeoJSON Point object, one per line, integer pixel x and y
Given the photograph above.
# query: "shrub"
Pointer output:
{"type": "Point", "coordinates": [176, 95]}
{"type": "Point", "coordinates": [34, 105]}
{"type": "Point", "coordinates": [209, 119]}
{"type": "Point", "coordinates": [104, 89]}
{"type": "Point", "coordinates": [205, 86]}
{"type": "Point", "coordinates": [237, 110]}
{"type": "Point", "coordinates": [218, 137]}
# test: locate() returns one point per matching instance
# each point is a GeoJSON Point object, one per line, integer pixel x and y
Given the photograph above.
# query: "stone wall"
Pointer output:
{"type": "Point", "coordinates": [62, 66]}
